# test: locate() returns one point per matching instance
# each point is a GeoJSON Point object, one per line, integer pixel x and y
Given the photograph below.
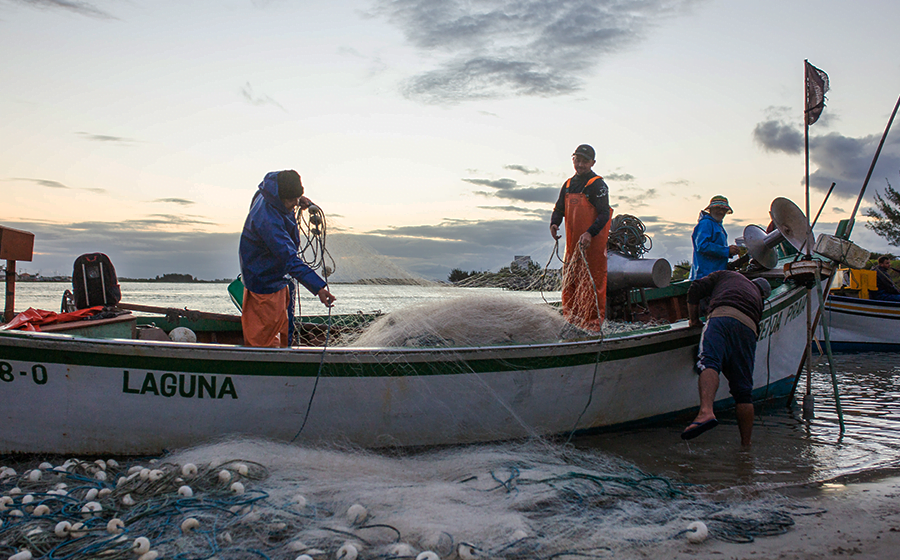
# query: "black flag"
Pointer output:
{"type": "Point", "coordinates": [816, 86]}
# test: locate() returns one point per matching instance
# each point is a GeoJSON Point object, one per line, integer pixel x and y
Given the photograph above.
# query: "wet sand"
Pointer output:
{"type": "Point", "coordinates": [857, 519]}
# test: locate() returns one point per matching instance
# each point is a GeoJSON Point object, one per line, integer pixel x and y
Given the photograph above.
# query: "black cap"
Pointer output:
{"type": "Point", "coordinates": [289, 185]}
{"type": "Point", "coordinates": [585, 151]}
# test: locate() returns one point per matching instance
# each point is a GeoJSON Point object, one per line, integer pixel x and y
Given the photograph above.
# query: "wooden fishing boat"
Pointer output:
{"type": "Point", "coordinates": [856, 323]}
{"type": "Point", "coordinates": [74, 394]}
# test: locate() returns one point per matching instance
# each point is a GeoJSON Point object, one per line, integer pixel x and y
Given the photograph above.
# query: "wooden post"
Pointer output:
{"type": "Point", "coordinates": [15, 245]}
{"type": "Point", "coordinates": [9, 311]}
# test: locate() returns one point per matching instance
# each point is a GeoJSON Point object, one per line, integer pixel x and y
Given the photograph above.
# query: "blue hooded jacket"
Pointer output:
{"type": "Point", "coordinates": [269, 244]}
{"type": "Point", "coordinates": [710, 247]}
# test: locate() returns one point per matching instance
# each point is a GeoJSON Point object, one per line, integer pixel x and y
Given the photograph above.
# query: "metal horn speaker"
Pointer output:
{"type": "Point", "coordinates": [790, 225]}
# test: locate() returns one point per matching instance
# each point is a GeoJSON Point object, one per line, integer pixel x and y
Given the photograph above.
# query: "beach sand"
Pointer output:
{"type": "Point", "coordinates": [858, 520]}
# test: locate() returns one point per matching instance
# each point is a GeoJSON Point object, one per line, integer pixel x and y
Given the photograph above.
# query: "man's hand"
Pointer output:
{"type": "Point", "coordinates": [733, 250]}
{"type": "Point", "coordinates": [305, 203]}
{"type": "Point", "coordinates": [585, 240]}
{"type": "Point", "coordinates": [554, 231]}
{"type": "Point", "coordinates": [326, 297]}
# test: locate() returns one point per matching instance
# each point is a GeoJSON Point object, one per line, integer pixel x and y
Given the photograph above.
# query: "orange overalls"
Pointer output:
{"type": "Point", "coordinates": [582, 305]}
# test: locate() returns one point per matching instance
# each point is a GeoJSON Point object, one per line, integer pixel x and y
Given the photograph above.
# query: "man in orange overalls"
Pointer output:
{"type": "Point", "coordinates": [584, 203]}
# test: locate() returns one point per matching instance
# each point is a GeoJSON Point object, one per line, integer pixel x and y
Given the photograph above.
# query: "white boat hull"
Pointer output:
{"type": "Point", "coordinates": [67, 395]}
{"type": "Point", "coordinates": [861, 325]}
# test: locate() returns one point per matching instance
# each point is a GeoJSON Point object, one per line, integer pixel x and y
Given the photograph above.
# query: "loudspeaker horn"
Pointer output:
{"type": "Point", "coordinates": [790, 225]}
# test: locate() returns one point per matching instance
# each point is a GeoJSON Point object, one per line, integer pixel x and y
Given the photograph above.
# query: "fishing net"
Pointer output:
{"type": "Point", "coordinates": [533, 500]}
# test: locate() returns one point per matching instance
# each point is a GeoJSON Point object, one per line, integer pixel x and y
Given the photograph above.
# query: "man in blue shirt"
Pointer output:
{"type": "Point", "coordinates": [710, 240]}
{"type": "Point", "coordinates": [269, 258]}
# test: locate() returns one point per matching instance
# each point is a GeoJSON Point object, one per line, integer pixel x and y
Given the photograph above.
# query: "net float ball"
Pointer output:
{"type": "Point", "coordinates": [182, 334]}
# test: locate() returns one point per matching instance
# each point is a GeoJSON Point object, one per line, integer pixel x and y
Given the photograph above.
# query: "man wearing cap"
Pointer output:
{"type": "Point", "coordinates": [584, 203]}
{"type": "Point", "coordinates": [727, 345]}
{"type": "Point", "coordinates": [887, 290]}
{"type": "Point", "coordinates": [710, 240]}
{"type": "Point", "coordinates": [268, 256]}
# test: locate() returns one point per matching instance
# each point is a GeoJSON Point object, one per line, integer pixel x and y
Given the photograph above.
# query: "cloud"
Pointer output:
{"type": "Point", "coordinates": [136, 251]}
{"type": "Point", "coordinates": [247, 93]}
{"type": "Point", "coordinates": [509, 189]}
{"type": "Point", "coordinates": [182, 201]}
{"type": "Point", "coordinates": [105, 138]}
{"type": "Point", "coordinates": [495, 49]}
{"type": "Point", "coordinates": [83, 8]}
{"type": "Point", "coordinates": [42, 183]}
{"type": "Point", "coordinates": [624, 177]}
{"type": "Point", "coordinates": [845, 161]}
{"type": "Point", "coordinates": [522, 169]}
{"type": "Point", "coordinates": [775, 136]}
{"type": "Point", "coordinates": [834, 158]}
{"type": "Point", "coordinates": [637, 200]}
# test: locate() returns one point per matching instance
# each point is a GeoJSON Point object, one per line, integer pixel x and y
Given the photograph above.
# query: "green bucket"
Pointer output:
{"type": "Point", "coordinates": [236, 292]}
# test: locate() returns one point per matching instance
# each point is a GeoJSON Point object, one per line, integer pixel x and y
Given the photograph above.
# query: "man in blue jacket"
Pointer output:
{"type": "Point", "coordinates": [268, 251]}
{"type": "Point", "coordinates": [710, 240]}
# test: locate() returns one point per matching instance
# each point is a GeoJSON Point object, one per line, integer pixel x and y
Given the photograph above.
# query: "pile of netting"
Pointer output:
{"type": "Point", "coordinates": [474, 320]}
{"type": "Point", "coordinates": [530, 501]}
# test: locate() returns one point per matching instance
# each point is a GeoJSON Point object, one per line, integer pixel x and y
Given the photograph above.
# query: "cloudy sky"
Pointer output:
{"type": "Point", "coordinates": [433, 132]}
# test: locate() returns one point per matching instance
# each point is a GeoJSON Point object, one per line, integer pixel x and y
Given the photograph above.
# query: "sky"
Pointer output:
{"type": "Point", "coordinates": [433, 133]}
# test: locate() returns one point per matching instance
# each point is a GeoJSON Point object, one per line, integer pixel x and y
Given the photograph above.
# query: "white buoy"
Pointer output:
{"type": "Point", "coordinates": [22, 555]}
{"type": "Point", "coordinates": [141, 545]}
{"type": "Point", "coordinates": [347, 552]}
{"type": "Point", "coordinates": [112, 463]}
{"type": "Point", "coordinates": [149, 555]}
{"type": "Point", "coordinates": [27, 499]}
{"type": "Point", "coordinates": [155, 475]}
{"type": "Point", "coordinates": [135, 469]}
{"type": "Point", "coordinates": [401, 550]}
{"type": "Point", "coordinates": [104, 492]}
{"type": "Point", "coordinates": [467, 551]}
{"type": "Point", "coordinates": [34, 475]}
{"type": "Point", "coordinates": [91, 494]}
{"type": "Point", "coordinates": [356, 514]}
{"type": "Point", "coordinates": [224, 476]}
{"type": "Point", "coordinates": [115, 526]}
{"type": "Point", "coordinates": [91, 507]}
{"type": "Point", "coordinates": [304, 557]}
{"type": "Point", "coordinates": [237, 488]}
{"type": "Point", "coordinates": [76, 531]}
{"type": "Point", "coordinates": [300, 500]}
{"type": "Point", "coordinates": [697, 532]}
{"type": "Point", "coordinates": [127, 500]}
{"type": "Point", "coordinates": [144, 474]}
{"type": "Point", "coordinates": [182, 334]}
{"type": "Point", "coordinates": [4, 502]}
{"type": "Point", "coordinates": [185, 492]}
{"type": "Point", "coordinates": [15, 491]}
{"type": "Point", "coordinates": [45, 466]}
{"type": "Point", "coordinates": [242, 469]}
{"type": "Point", "coordinates": [40, 510]}
{"type": "Point", "coordinates": [62, 529]}
{"type": "Point", "coordinates": [100, 463]}
{"type": "Point", "coordinates": [101, 476]}
{"type": "Point", "coordinates": [296, 546]}
{"type": "Point", "coordinates": [428, 555]}
{"type": "Point", "coordinates": [189, 469]}
{"type": "Point", "coordinates": [518, 535]}
{"type": "Point", "coordinates": [189, 524]}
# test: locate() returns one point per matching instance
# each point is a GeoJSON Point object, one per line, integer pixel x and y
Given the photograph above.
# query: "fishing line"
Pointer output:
{"type": "Point", "coordinates": [315, 231]}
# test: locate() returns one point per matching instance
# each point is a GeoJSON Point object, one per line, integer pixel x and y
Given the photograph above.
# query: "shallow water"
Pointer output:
{"type": "Point", "coordinates": [599, 497]}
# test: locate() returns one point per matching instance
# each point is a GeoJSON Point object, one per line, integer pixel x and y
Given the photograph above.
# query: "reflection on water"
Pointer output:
{"type": "Point", "coordinates": [786, 449]}
{"type": "Point", "coordinates": [213, 298]}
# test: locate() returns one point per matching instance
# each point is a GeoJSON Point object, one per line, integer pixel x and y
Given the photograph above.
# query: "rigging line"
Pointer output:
{"type": "Point", "coordinates": [312, 395]}
{"type": "Point", "coordinates": [599, 350]}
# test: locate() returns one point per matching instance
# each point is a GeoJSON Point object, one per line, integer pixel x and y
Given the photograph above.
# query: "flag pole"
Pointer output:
{"type": "Point", "coordinates": [808, 403]}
